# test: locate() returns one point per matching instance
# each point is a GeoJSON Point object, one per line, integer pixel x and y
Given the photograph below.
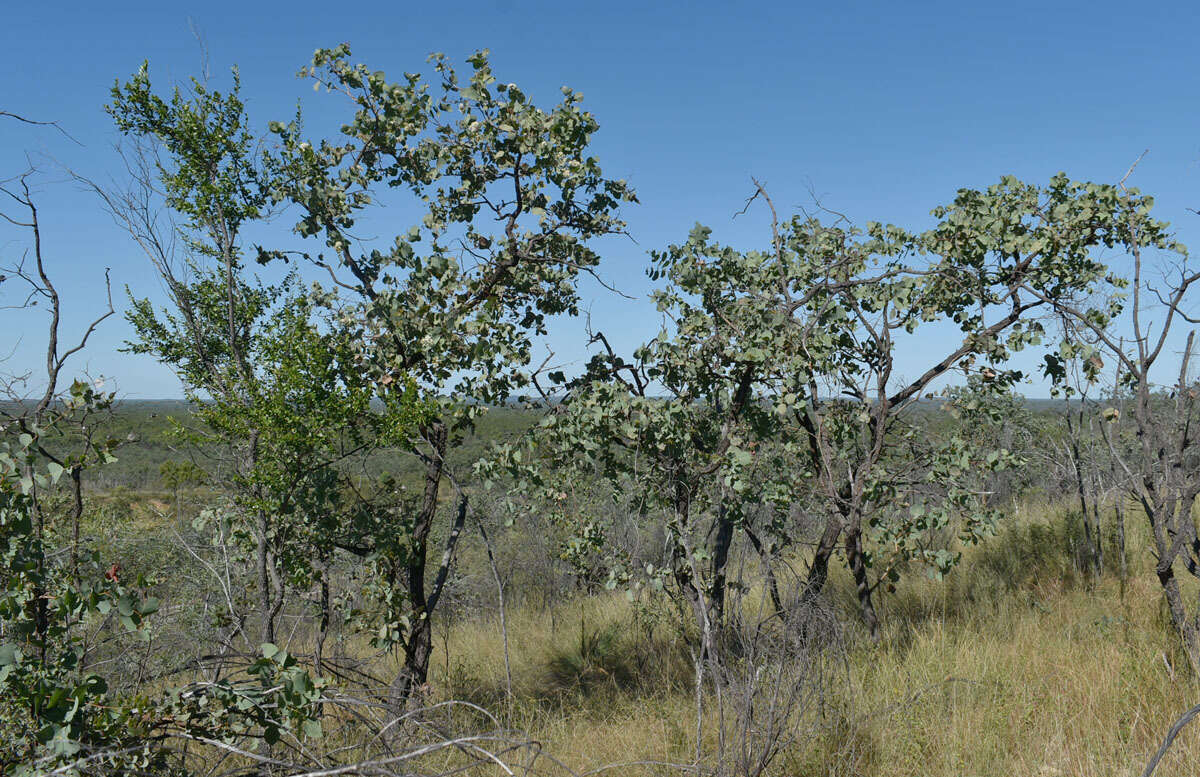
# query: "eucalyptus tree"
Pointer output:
{"type": "Point", "coordinates": [794, 352]}
{"type": "Point", "coordinates": [511, 201]}
{"type": "Point", "coordinates": [691, 426]}
{"type": "Point", "coordinates": [68, 624]}
{"type": "Point", "coordinates": [674, 432]}
{"type": "Point", "coordinates": [994, 259]}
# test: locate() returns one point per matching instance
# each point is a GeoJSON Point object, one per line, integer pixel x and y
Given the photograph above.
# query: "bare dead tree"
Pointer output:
{"type": "Point", "coordinates": [1169, 739]}
{"type": "Point", "coordinates": [1161, 464]}
{"type": "Point", "coordinates": [778, 671]}
{"type": "Point", "coordinates": [25, 120]}
{"type": "Point", "coordinates": [364, 738]}
{"type": "Point", "coordinates": [33, 408]}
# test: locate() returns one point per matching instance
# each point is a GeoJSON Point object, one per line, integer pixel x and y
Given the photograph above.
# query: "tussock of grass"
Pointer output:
{"type": "Point", "coordinates": [598, 661]}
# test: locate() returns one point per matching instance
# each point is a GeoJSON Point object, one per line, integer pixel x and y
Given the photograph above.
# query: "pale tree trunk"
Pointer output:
{"type": "Point", "coordinates": [1122, 560]}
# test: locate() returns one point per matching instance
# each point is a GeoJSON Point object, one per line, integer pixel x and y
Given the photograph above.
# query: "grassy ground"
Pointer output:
{"type": "Point", "coordinates": [1015, 665]}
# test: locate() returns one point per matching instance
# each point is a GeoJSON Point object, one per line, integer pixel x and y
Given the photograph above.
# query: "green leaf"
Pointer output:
{"type": "Point", "coordinates": [9, 654]}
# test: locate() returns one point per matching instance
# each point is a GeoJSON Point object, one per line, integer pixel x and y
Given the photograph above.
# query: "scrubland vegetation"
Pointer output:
{"type": "Point", "coordinates": [382, 536]}
{"type": "Point", "coordinates": [1016, 664]}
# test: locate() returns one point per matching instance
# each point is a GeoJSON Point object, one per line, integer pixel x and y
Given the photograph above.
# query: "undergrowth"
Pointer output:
{"type": "Point", "coordinates": [1018, 663]}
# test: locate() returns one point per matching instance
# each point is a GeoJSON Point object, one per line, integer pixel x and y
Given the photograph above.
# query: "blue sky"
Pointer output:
{"type": "Point", "coordinates": [882, 110]}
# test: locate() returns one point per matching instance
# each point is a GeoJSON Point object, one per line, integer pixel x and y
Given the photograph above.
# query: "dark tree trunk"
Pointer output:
{"type": "Point", "coordinates": [263, 562]}
{"type": "Point", "coordinates": [76, 517]}
{"type": "Point", "coordinates": [418, 647]}
{"type": "Point", "coordinates": [41, 613]}
{"type": "Point", "coordinates": [418, 644]}
{"type": "Point", "coordinates": [818, 571]}
{"type": "Point", "coordinates": [720, 558]}
{"type": "Point", "coordinates": [862, 582]}
{"type": "Point", "coordinates": [1099, 560]}
{"type": "Point", "coordinates": [323, 623]}
{"type": "Point", "coordinates": [1185, 628]}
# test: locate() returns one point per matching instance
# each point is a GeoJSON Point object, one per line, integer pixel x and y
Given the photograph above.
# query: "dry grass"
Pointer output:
{"type": "Point", "coordinates": [1015, 665]}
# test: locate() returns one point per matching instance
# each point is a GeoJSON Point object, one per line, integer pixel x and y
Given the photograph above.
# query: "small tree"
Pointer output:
{"type": "Point", "coordinates": [274, 385]}
{"type": "Point", "coordinates": [995, 258]}
{"type": "Point", "coordinates": [209, 175]}
{"type": "Point", "coordinates": [178, 475]}
{"type": "Point", "coordinates": [1078, 444]}
{"type": "Point", "coordinates": [449, 304]}
{"type": "Point", "coordinates": [793, 352]}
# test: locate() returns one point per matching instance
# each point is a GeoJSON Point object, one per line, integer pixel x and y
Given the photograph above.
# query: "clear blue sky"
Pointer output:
{"type": "Point", "coordinates": [881, 109]}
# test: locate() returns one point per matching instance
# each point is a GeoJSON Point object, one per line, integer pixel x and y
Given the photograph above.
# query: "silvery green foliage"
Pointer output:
{"type": "Point", "coordinates": [510, 200]}
{"type": "Point", "coordinates": [776, 380]}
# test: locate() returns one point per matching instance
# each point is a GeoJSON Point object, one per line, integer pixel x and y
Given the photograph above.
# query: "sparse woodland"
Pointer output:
{"type": "Point", "coordinates": [383, 536]}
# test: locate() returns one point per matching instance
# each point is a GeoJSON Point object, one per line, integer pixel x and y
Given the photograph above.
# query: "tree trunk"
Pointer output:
{"type": "Point", "coordinates": [1119, 518]}
{"type": "Point", "coordinates": [1183, 626]}
{"type": "Point", "coordinates": [772, 583]}
{"type": "Point", "coordinates": [862, 582]}
{"type": "Point", "coordinates": [1099, 535]}
{"type": "Point", "coordinates": [263, 561]}
{"type": "Point", "coordinates": [818, 571]}
{"type": "Point", "coordinates": [487, 544]}
{"type": "Point", "coordinates": [419, 643]}
{"type": "Point", "coordinates": [76, 517]}
{"type": "Point", "coordinates": [41, 613]}
{"type": "Point", "coordinates": [1091, 534]}
{"type": "Point", "coordinates": [720, 558]}
{"type": "Point", "coordinates": [681, 559]}
{"type": "Point", "coordinates": [323, 623]}
{"type": "Point", "coordinates": [410, 683]}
